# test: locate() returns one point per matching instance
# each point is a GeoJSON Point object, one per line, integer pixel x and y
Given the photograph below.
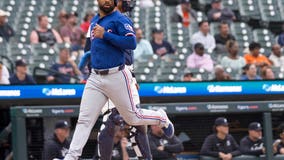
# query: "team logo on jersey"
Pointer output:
{"type": "Point", "coordinates": [109, 30]}
{"type": "Point", "coordinates": [128, 27]}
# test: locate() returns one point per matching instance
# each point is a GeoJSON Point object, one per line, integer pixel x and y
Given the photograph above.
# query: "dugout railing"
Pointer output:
{"type": "Point", "coordinates": [266, 108]}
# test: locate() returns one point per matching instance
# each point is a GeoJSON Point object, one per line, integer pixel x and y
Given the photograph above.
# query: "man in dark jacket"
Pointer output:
{"type": "Point", "coordinates": [253, 143]}
{"type": "Point", "coordinates": [163, 148]}
{"type": "Point", "coordinates": [220, 144]}
{"type": "Point", "coordinates": [6, 31]}
{"type": "Point", "coordinates": [57, 146]}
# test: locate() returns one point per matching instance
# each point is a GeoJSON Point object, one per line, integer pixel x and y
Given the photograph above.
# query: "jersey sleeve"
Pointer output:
{"type": "Point", "coordinates": [125, 27]}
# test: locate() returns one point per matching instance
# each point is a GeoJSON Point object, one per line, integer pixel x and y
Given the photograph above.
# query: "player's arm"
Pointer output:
{"type": "Point", "coordinates": [34, 37]}
{"type": "Point", "coordinates": [124, 39]}
{"type": "Point", "coordinates": [175, 145]}
{"type": "Point", "coordinates": [123, 42]}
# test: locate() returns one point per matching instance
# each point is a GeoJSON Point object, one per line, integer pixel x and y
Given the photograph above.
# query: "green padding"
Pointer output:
{"type": "Point", "coordinates": [279, 157]}
{"type": "Point", "coordinates": [245, 157]}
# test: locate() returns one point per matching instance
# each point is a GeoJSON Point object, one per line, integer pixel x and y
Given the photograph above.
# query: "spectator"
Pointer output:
{"type": "Point", "coordinates": [217, 13]}
{"type": "Point", "coordinates": [6, 31]}
{"type": "Point", "coordinates": [184, 13]}
{"type": "Point", "coordinates": [267, 73]}
{"type": "Point", "coordinates": [121, 149]}
{"type": "Point", "coordinates": [87, 19]}
{"type": "Point", "coordinates": [5, 143]}
{"type": "Point", "coordinates": [250, 73]}
{"type": "Point", "coordinates": [43, 34]}
{"type": "Point", "coordinates": [4, 74]}
{"type": "Point", "coordinates": [56, 147]}
{"type": "Point", "coordinates": [223, 37]}
{"type": "Point", "coordinates": [159, 45]}
{"type": "Point", "coordinates": [253, 144]}
{"type": "Point", "coordinates": [189, 77]}
{"type": "Point", "coordinates": [71, 33]}
{"type": "Point", "coordinates": [233, 60]}
{"type": "Point", "coordinates": [255, 57]}
{"type": "Point", "coordinates": [198, 59]}
{"type": "Point", "coordinates": [281, 37]}
{"type": "Point", "coordinates": [66, 67]}
{"type": "Point", "coordinates": [62, 20]}
{"type": "Point", "coordinates": [163, 148]}
{"type": "Point", "coordinates": [220, 74]}
{"type": "Point", "coordinates": [276, 56]}
{"type": "Point", "coordinates": [278, 145]}
{"type": "Point", "coordinates": [21, 76]}
{"type": "Point", "coordinates": [220, 144]}
{"type": "Point", "coordinates": [203, 36]}
{"type": "Point", "coordinates": [143, 46]}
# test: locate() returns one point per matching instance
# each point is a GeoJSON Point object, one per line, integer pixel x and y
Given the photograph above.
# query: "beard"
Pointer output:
{"type": "Point", "coordinates": [107, 10]}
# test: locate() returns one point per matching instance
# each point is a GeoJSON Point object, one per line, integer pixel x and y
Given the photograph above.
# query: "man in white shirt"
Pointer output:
{"type": "Point", "coordinates": [203, 36]}
{"type": "Point", "coordinates": [276, 56]}
{"type": "Point", "coordinates": [143, 46]}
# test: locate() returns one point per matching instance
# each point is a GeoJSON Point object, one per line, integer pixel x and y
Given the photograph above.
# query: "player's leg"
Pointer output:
{"type": "Point", "coordinates": [106, 135]}
{"type": "Point", "coordinates": [91, 103]}
{"type": "Point", "coordinates": [120, 93]}
{"type": "Point", "coordinates": [140, 142]}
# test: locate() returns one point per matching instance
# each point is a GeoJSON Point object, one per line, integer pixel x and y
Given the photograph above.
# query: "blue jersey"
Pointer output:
{"type": "Point", "coordinates": [119, 36]}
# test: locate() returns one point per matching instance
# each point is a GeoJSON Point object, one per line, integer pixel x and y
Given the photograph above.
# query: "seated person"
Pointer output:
{"type": "Point", "coordinates": [56, 147]}
{"type": "Point", "coordinates": [233, 60]}
{"type": "Point", "coordinates": [21, 76]}
{"type": "Point", "coordinates": [184, 13]}
{"type": "Point", "coordinates": [253, 143]}
{"type": "Point", "coordinates": [159, 45]}
{"type": "Point", "coordinates": [66, 68]}
{"type": "Point", "coordinates": [281, 37]}
{"type": "Point", "coordinates": [6, 31]}
{"type": "Point", "coordinates": [220, 74]}
{"type": "Point", "coordinates": [220, 144]}
{"type": "Point", "coordinates": [223, 37]}
{"type": "Point", "coordinates": [199, 59]}
{"type": "Point", "coordinates": [267, 73]}
{"type": "Point", "coordinates": [218, 13]}
{"type": "Point", "coordinates": [4, 74]}
{"type": "Point", "coordinates": [250, 73]}
{"type": "Point", "coordinates": [161, 146]}
{"type": "Point", "coordinates": [278, 145]}
{"type": "Point", "coordinates": [203, 36]}
{"type": "Point", "coordinates": [42, 34]}
{"type": "Point", "coordinates": [188, 77]}
{"type": "Point", "coordinates": [255, 56]}
{"type": "Point", "coordinates": [71, 33]}
{"type": "Point", "coordinates": [143, 46]}
{"type": "Point", "coordinates": [276, 56]}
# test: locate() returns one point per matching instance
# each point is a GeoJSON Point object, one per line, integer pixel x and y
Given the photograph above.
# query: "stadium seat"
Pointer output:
{"type": "Point", "coordinates": [249, 9]}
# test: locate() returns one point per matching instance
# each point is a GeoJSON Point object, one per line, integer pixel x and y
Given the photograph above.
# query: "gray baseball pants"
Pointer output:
{"type": "Point", "coordinates": [117, 87]}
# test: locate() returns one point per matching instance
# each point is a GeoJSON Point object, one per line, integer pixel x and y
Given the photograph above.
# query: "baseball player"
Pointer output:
{"type": "Point", "coordinates": [138, 134]}
{"type": "Point", "coordinates": [110, 34]}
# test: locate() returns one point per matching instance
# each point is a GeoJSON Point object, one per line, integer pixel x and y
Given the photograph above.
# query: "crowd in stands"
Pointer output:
{"type": "Point", "coordinates": [249, 63]}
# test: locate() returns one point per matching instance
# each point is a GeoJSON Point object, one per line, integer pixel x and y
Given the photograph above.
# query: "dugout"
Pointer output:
{"type": "Point", "coordinates": [32, 124]}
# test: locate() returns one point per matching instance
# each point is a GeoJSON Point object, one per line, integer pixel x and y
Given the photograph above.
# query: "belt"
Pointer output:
{"type": "Point", "coordinates": [108, 71]}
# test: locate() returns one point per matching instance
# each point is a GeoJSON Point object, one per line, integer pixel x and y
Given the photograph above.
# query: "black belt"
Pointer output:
{"type": "Point", "coordinates": [108, 71]}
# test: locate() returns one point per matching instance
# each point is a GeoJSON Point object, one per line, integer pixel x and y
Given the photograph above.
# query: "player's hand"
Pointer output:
{"type": "Point", "coordinates": [123, 142]}
{"type": "Point", "coordinates": [160, 148]}
{"type": "Point", "coordinates": [98, 31]}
